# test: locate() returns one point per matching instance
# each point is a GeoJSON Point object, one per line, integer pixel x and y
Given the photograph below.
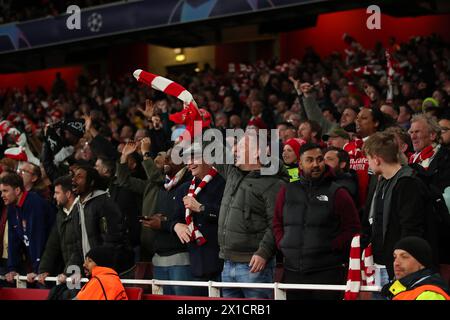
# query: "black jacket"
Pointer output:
{"type": "Point", "coordinates": [318, 222]}
{"type": "Point", "coordinates": [166, 243]}
{"type": "Point", "coordinates": [403, 215]}
{"type": "Point", "coordinates": [204, 259]}
{"type": "Point", "coordinates": [130, 204]}
{"type": "Point", "coordinates": [349, 180]}
{"type": "Point", "coordinates": [160, 141]}
{"type": "Point", "coordinates": [439, 169]}
{"type": "Point", "coordinates": [104, 226]}
{"type": "Point", "coordinates": [61, 249]}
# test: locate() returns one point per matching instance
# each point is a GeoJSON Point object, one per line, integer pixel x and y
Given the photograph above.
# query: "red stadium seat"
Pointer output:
{"type": "Point", "coordinates": [134, 293]}
{"type": "Point", "coordinates": [174, 297]}
{"type": "Point", "coordinates": [23, 294]}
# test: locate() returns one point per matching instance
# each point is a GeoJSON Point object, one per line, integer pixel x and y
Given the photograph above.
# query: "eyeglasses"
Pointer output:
{"type": "Point", "coordinates": [22, 171]}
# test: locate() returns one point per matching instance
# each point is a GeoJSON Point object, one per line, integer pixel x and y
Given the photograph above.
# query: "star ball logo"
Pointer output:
{"type": "Point", "coordinates": [73, 21]}
{"type": "Point", "coordinates": [95, 22]}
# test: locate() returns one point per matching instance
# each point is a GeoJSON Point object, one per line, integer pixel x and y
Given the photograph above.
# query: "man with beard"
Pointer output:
{"type": "Point", "coordinates": [104, 283]}
{"type": "Point", "coordinates": [61, 250]}
{"type": "Point", "coordinates": [99, 220]}
{"type": "Point", "coordinates": [169, 256]}
{"type": "Point", "coordinates": [314, 222]}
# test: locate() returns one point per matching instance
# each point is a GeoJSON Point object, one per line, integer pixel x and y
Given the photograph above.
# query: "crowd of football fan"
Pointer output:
{"type": "Point", "coordinates": [365, 149]}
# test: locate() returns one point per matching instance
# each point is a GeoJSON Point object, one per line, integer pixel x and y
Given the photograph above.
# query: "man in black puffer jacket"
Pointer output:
{"type": "Point", "coordinates": [99, 220]}
{"type": "Point", "coordinates": [315, 220]}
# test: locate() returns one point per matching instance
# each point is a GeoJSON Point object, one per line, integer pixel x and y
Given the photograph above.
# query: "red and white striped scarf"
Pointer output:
{"type": "Point", "coordinates": [190, 112]}
{"type": "Point", "coordinates": [390, 77]}
{"type": "Point", "coordinates": [172, 182]}
{"type": "Point", "coordinates": [21, 151]}
{"type": "Point", "coordinates": [163, 84]}
{"type": "Point", "coordinates": [425, 156]}
{"type": "Point", "coordinates": [361, 270]}
{"type": "Point", "coordinates": [193, 192]}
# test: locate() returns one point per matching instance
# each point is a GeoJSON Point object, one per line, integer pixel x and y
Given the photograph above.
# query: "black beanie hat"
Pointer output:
{"type": "Point", "coordinates": [418, 248]}
{"type": "Point", "coordinates": [75, 127]}
{"type": "Point", "coordinates": [103, 256]}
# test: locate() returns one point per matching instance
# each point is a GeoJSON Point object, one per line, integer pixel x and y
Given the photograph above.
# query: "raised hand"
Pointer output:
{"type": "Point", "coordinates": [145, 145]}
{"type": "Point", "coordinates": [296, 84]}
{"type": "Point", "coordinates": [149, 109]}
{"type": "Point", "coordinates": [128, 149]}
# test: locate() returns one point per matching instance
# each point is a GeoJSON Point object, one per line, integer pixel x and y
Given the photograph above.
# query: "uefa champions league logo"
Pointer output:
{"type": "Point", "coordinates": [95, 22]}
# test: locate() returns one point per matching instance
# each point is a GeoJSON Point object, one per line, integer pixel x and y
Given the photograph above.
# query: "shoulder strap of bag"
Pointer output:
{"type": "Point", "coordinates": [103, 289]}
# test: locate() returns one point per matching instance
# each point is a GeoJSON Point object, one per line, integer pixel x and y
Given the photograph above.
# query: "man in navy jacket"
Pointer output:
{"type": "Point", "coordinates": [205, 206]}
{"type": "Point", "coordinates": [30, 219]}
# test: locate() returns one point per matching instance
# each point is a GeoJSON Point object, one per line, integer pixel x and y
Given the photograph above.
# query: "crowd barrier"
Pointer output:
{"type": "Point", "coordinates": [158, 293]}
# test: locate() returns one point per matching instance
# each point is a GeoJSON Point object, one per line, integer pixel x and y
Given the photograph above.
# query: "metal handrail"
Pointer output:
{"type": "Point", "coordinates": [213, 286]}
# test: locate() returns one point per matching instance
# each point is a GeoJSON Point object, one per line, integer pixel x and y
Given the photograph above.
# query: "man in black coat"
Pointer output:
{"type": "Point", "coordinates": [398, 206]}
{"type": "Point", "coordinates": [99, 220]}
{"type": "Point", "coordinates": [170, 260]}
{"type": "Point", "coordinates": [61, 249]}
{"type": "Point", "coordinates": [435, 159]}
{"type": "Point", "coordinates": [130, 203]}
{"type": "Point", "coordinates": [204, 208]}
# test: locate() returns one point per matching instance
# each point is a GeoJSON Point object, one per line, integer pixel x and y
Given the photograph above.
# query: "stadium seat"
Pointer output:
{"type": "Point", "coordinates": [444, 270]}
{"type": "Point", "coordinates": [134, 293]}
{"type": "Point", "coordinates": [23, 294]}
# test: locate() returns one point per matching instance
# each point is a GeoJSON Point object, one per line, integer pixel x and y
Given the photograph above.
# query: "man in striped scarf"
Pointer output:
{"type": "Point", "coordinates": [196, 216]}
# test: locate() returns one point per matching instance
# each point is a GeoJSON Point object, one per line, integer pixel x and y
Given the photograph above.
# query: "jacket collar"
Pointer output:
{"type": "Point", "coordinates": [22, 199]}
{"type": "Point", "coordinates": [68, 211]}
{"type": "Point", "coordinates": [97, 270]}
{"type": "Point", "coordinates": [396, 287]}
{"type": "Point", "coordinates": [92, 195]}
{"type": "Point", "coordinates": [326, 176]}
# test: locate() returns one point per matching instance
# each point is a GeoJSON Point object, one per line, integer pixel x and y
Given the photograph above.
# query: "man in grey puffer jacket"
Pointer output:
{"type": "Point", "coordinates": [246, 240]}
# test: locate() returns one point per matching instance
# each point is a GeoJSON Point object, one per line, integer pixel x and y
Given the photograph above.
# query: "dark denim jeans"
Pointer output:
{"type": "Point", "coordinates": [240, 272]}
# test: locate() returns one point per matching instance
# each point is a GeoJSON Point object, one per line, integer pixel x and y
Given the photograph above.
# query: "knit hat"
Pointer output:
{"type": "Point", "coordinates": [429, 103]}
{"type": "Point", "coordinates": [295, 144]}
{"type": "Point", "coordinates": [418, 248]}
{"type": "Point", "coordinates": [336, 132]}
{"type": "Point", "coordinates": [103, 256]}
{"type": "Point", "coordinates": [75, 127]}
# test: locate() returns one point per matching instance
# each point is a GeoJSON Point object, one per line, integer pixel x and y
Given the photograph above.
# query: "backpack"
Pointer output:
{"type": "Point", "coordinates": [438, 217]}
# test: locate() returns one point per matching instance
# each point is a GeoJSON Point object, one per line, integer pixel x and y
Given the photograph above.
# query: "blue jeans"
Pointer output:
{"type": "Point", "coordinates": [240, 272]}
{"type": "Point", "coordinates": [182, 273]}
